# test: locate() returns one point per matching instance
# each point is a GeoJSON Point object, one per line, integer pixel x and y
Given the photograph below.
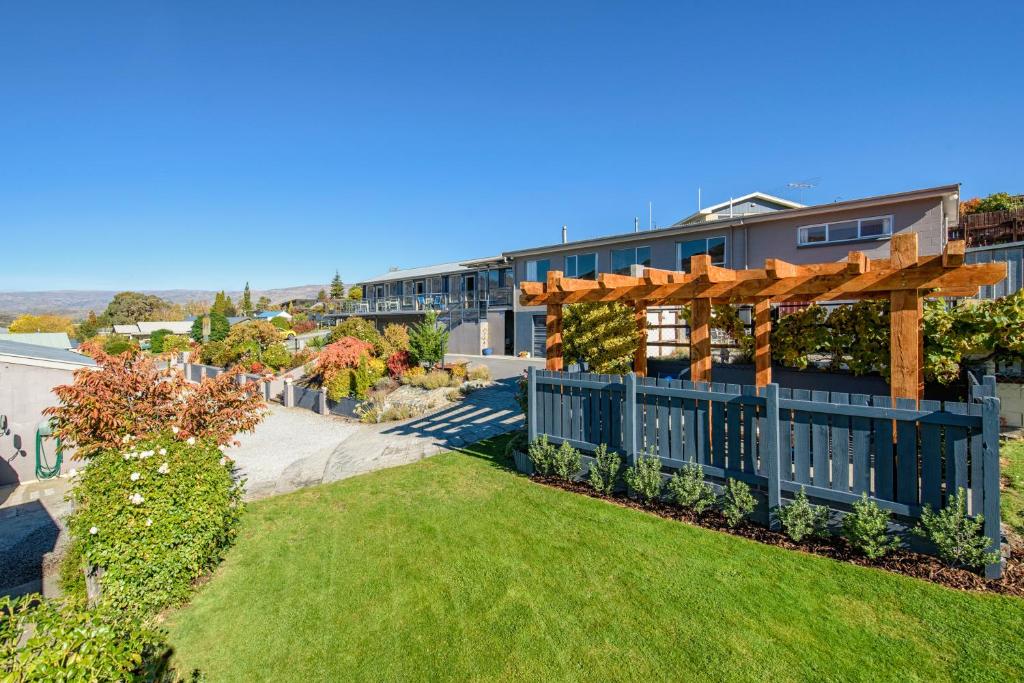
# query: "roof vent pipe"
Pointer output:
{"type": "Point", "coordinates": [636, 224]}
{"type": "Point", "coordinates": [565, 234]}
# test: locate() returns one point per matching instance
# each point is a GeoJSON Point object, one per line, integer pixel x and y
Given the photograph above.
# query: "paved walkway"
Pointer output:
{"type": "Point", "coordinates": [32, 536]}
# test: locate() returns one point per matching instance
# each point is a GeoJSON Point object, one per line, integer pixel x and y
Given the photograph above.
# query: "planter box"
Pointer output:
{"type": "Point", "coordinates": [523, 462]}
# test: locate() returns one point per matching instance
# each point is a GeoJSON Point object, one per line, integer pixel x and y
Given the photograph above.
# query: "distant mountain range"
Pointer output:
{"type": "Point", "coordinates": [78, 303]}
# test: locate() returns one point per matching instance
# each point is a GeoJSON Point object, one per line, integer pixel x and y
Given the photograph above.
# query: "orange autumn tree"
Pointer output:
{"type": "Point", "coordinates": [130, 397]}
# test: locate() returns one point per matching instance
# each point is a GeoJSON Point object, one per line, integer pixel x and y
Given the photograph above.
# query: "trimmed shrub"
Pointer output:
{"type": "Point", "coordinates": [340, 384]}
{"type": "Point", "coordinates": [479, 373]}
{"type": "Point", "coordinates": [737, 502]}
{"type": "Point", "coordinates": [277, 356]}
{"type": "Point", "coordinates": [644, 478]}
{"type": "Point", "coordinates": [689, 490]}
{"type": "Point", "coordinates": [957, 537]}
{"type": "Point", "coordinates": [154, 515]}
{"type": "Point", "coordinates": [867, 529]}
{"type": "Point", "coordinates": [542, 455]}
{"type": "Point", "coordinates": [156, 340]}
{"type": "Point", "coordinates": [364, 378]}
{"type": "Point", "coordinates": [458, 371]}
{"type": "Point", "coordinates": [116, 344]}
{"type": "Point", "coordinates": [567, 462]}
{"type": "Point", "coordinates": [49, 640]}
{"type": "Point", "coordinates": [399, 363]}
{"type": "Point", "coordinates": [801, 520]}
{"type": "Point", "coordinates": [604, 471]}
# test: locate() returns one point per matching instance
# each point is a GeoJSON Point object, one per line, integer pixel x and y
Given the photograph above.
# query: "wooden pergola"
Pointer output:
{"type": "Point", "coordinates": [904, 278]}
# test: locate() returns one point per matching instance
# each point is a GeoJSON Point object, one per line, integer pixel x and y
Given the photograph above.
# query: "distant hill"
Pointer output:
{"type": "Point", "coordinates": [78, 303]}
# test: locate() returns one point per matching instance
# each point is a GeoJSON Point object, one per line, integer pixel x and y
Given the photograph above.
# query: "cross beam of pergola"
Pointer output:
{"type": "Point", "coordinates": [904, 278]}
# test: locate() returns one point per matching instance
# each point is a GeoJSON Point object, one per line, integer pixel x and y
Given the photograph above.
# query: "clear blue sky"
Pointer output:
{"type": "Point", "coordinates": [203, 144]}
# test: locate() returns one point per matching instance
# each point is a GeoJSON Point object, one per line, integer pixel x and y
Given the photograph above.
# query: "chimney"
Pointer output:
{"type": "Point", "coordinates": [565, 234]}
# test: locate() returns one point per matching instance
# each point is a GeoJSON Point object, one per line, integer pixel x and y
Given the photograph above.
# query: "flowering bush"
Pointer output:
{"type": "Point", "coordinates": [46, 640]}
{"type": "Point", "coordinates": [398, 363]}
{"type": "Point", "coordinates": [130, 397]}
{"type": "Point", "coordinates": [343, 353]}
{"type": "Point", "coordinates": [153, 516]}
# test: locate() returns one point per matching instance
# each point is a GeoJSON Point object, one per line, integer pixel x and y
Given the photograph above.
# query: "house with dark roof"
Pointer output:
{"type": "Point", "coordinates": [28, 374]}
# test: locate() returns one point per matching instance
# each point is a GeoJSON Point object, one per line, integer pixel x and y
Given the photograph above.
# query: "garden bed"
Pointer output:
{"type": "Point", "coordinates": [901, 561]}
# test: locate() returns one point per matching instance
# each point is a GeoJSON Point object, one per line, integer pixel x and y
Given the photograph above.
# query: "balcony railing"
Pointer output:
{"type": "Point", "coordinates": [993, 227]}
{"type": "Point", "coordinates": [495, 298]}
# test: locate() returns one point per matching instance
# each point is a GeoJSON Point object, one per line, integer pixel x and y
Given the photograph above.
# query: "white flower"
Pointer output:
{"type": "Point", "coordinates": [225, 460]}
{"type": "Point", "coordinates": [136, 499]}
{"type": "Point", "coordinates": [146, 454]}
{"type": "Point", "coordinates": [162, 451]}
{"type": "Point", "coordinates": [94, 531]}
{"type": "Point", "coordinates": [126, 438]}
{"type": "Point", "coordinates": [135, 476]}
{"type": "Point", "coordinates": [174, 430]}
{"type": "Point", "coordinates": [149, 521]}
{"type": "Point", "coordinates": [191, 441]}
{"type": "Point", "coordinates": [222, 448]}
{"type": "Point", "coordinates": [72, 472]}
{"type": "Point", "coordinates": [164, 469]}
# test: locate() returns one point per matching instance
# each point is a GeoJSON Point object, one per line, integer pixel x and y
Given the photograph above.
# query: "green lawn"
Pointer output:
{"type": "Point", "coordinates": [1013, 493]}
{"type": "Point", "coordinates": [457, 568]}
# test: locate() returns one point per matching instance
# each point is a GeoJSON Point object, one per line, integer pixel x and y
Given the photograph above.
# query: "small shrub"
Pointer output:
{"type": "Point", "coordinates": [156, 340]}
{"type": "Point", "coordinates": [737, 502]}
{"type": "Point", "coordinates": [604, 471]}
{"type": "Point", "coordinates": [341, 354]}
{"type": "Point", "coordinates": [49, 640]}
{"type": "Point", "coordinates": [523, 394]}
{"type": "Point", "coordinates": [358, 328]}
{"type": "Point", "coordinates": [801, 520]}
{"type": "Point", "coordinates": [363, 378]}
{"type": "Point", "coordinates": [520, 442]}
{"type": "Point", "coordinates": [276, 356]}
{"type": "Point", "coordinates": [176, 343]}
{"type": "Point", "coordinates": [374, 413]}
{"type": "Point", "coordinates": [155, 515]}
{"type": "Point", "coordinates": [867, 529]}
{"type": "Point", "coordinates": [458, 370]}
{"type": "Point", "coordinates": [281, 323]}
{"type": "Point", "coordinates": [567, 462]}
{"type": "Point", "coordinates": [435, 379]}
{"type": "Point", "coordinates": [542, 455]}
{"type": "Point", "coordinates": [689, 490]}
{"type": "Point", "coordinates": [428, 340]}
{"type": "Point", "coordinates": [399, 363]}
{"type": "Point", "coordinates": [644, 478]}
{"type": "Point", "coordinates": [412, 373]}
{"type": "Point", "coordinates": [479, 373]}
{"type": "Point", "coordinates": [395, 339]}
{"type": "Point", "coordinates": [219, 327]}
{"type": "Point", "coordinates": [115, 345]}
{"type": "Point", "coordinates": [303, 326]}
{"type": "Point", "coordinates": [957, 537]}
{"type": "Point", "coordinates": [340, 384]}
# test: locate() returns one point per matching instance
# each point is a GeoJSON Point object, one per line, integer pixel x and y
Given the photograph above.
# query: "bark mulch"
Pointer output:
{"type": "Point", "coordinates": [900, 561]}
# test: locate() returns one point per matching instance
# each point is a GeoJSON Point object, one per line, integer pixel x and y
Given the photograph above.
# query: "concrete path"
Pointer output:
{"type": "Point", "coordinates": [32, 536]}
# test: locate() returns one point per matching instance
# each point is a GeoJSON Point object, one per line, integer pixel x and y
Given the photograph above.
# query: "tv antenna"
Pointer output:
{"type": "Point", "coordinates": [801, 185]}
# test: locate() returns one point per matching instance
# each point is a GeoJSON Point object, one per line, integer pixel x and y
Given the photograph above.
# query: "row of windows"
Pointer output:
{"type": "Point", "coordinates": [443, 284]}
{"type": "Point", "coordinates": [586, 267]}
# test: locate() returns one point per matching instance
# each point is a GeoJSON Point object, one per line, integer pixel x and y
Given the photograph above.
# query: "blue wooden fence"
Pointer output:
{"type": "Point", "coordinates": [835, 445]}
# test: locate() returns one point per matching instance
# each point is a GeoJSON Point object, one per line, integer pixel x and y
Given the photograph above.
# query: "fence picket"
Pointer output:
{"type": "Point", "coordinates": [676, 416]}
{"type": "Point", "coordinates": [931, 459]}
{"type": "Point", "coordinates": [717, 428]}
{"type": "Point", "coordinates": [664, 447]}
{"type": "Point", "coordinates": [861, 428]}
{"type": "Point", "coordinates": [819, 442]}
{"type": "Point", "coordinates": [906, 456]}
{"type": "Point", "coordinates": [802, 439]}
{"type": "Point", "coordinates": [884, 453]}
{"type": "Point", "coordinates": [977, 496]}
{"type": "Point", "coordinates": [749, 429]}
{"type": "Point", "coordinates": [955, 452]}
{"type": "Point", "coordinates": [734, 456]}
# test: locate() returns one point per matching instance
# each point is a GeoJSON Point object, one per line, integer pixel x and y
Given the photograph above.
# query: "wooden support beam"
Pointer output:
{"type": "Point", "coordinates": [700, 265]}
{"type": "Point", "coordinates": [762, 342]}
{"type": "Point", "coordinates": [640, 357]}
{"type": "Point", "coordinates": [903, 250]}
{"type": "Point", "coordinates": [905, 359]}
{"type": "Point", "coordinates": [953, 254]}
{"type": "Point", "coordinates": [777, 269]}
{"type": "Point", "coordinates": [611, 280]}
{"type": "Point", "coordinates": [553, 345]}
{"type": "Point", "coordinates": [700, 340]}
{"type": "Point", "coordinates": [857, 263]}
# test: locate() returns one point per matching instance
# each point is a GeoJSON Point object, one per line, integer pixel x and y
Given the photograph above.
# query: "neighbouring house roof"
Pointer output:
{"type": "Point", "coordinates": [235, 319]}
{"type": "Point", "coordinates": [54, 340]}
{"type": "Point", "coordinates": [175, 326]}
{"type": "Point", "coordinates": [950, 192]}
{"type": "Point", "coordinates": [427, 271]}
{"type": "Point", "coordinates": [47, 356]}
{"type": "Point", "coordinates": [738, 208]}
{"type": "Point", "coordinates": [268, 315]}
{"type": "Point", "coordinates": [126, 329]}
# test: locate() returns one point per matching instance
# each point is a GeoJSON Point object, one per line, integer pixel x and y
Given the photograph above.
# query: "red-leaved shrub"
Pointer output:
{"type": "Point", "coordinates": [303, 326]}
{"type": "Point", "coordinates": [129, 397]}
{"type": "Point", "coordinates": [340, 355]}
{"type": "Point", "coordinates": [398, 363]}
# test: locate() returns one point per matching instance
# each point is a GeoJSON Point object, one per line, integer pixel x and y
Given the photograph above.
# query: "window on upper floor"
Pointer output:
{"type": "Point", "coordinates": [582, 266]}
{"type": "Point", "coordinates": [537, 271]}
{"type": "Point", "coordinates": [624, 259]}
{"type": "Point", "coordinates": [713, 246]}
{"type": "Point", "coordinates": [845, 231]}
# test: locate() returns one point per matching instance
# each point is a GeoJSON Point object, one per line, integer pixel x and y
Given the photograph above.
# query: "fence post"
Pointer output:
{"type": "Point", "coordinates": [202, 373]}
{"type": "Point", "coordinates": [990, 480]}
{"type": "Point", "coordinates": [240, 378]}
{"type": "Point", "coordinates": [322, 408]}
{"type": "Point", "coordinates": [989, 382]}
{"type": "Point", "coordinates": [188, 371]}
{"type": "Point", "coordinates": [289, 395]}
{"type": "Point", "coordinates": [629, 419]}
{"type": "Point", "coordinates": [770, 448]}
{"type": "Point", "coordinates": [266, 390]}
{"type": "Point", "coordinates": [531, 404]}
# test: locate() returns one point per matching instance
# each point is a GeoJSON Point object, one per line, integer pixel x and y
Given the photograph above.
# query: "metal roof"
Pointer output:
{"type": "Point", "coordinates": [20, 350]}
{"type": "Point", "coordinates": [174, 326]}
{"type": "Point", "coordinates": [54, 340]}
{"type": "Point", "coordinates": [427, 271]}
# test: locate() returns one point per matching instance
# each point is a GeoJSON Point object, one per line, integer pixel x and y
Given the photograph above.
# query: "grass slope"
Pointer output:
{"type": "Point", "coordinates": [456, 568]}
{"type": "Point", "coordinates": [1013, 491]}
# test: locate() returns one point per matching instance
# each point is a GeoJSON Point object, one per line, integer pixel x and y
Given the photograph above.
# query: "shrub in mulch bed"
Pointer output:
{"type": "Point", "coordinates": [901, 561]}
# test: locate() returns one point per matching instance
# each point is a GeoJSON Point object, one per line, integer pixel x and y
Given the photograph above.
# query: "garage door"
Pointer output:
{"type": "Point", "coordinates": [540, 336]}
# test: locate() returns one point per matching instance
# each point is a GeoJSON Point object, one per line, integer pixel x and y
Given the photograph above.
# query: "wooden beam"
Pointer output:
{"type": "Point", "coordinates": [903, 250]}
{"type": "Point", "coordinates": [953, 254]}
{"type": "Point", "coordinates": [778, 269]}
{"type": "Point", "coordinates": [700, 340]}
{"type": "Point", "coordinates": [611, 280]}
{"type": "Point", "coordinates": [904, 344]}
{"type": "Point", "coordinates": [640, 357]}
{"type": "Point", "coordinates": [762, 342]}
{"type": "Point", "coordinates": [857, 263]}
{"type": "Point", "coordinates": [700, 266]}
{"type": "Point", "coordinates": [553, 345]}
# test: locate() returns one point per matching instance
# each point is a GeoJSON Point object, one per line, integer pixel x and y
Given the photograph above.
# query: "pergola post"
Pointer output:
{"type": "Point", "coordinates": [905, 342]}
{"type": "Point", "coordinates": [553, 324]}
{"type": "Point", "coordinates": [762, 342]}
{"type": "Point", "coordinates": [640, 357]}
{"type": "Point", "coordinates": [700, 340]}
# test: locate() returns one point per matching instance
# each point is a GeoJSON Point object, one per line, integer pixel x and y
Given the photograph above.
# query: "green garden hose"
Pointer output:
{"type": "Point", "coordinates": [46, 470]}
